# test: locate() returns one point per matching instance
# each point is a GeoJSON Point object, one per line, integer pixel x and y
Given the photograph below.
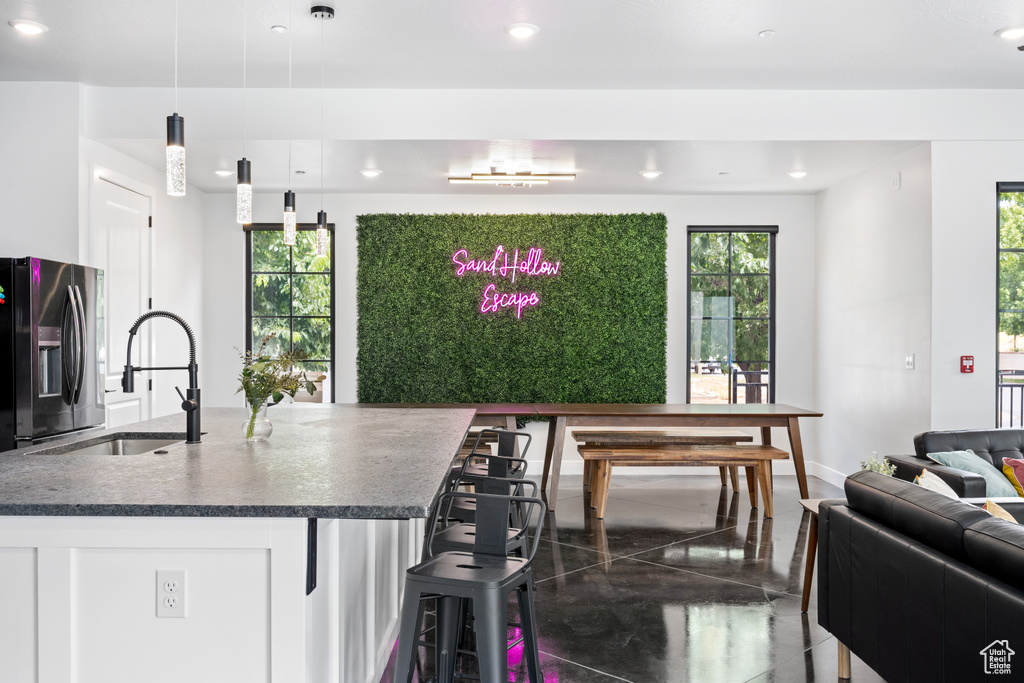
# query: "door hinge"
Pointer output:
{"type": "Point", "coordinates": [151, 303]}
{"type": "Point", "coordinates": [151, 221]}
{"type": "Point", "coordinates": [151, 385]}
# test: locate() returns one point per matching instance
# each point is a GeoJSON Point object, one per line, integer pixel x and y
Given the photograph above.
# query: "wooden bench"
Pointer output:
{"type": "Point", "coordinates": [756, 459]}
{"type": "Point", "coordinates": [662, 437]}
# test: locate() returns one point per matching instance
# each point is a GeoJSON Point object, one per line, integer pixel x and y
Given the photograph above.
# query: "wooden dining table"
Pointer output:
{"type": "Point", "coordinates": [650, 415]}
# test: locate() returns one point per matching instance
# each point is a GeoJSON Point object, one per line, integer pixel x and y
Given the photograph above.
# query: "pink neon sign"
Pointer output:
{"type": "Point", "coordinates": [506, 265]}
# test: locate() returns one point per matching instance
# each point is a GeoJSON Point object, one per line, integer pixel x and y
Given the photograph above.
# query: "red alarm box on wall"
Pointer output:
{"type": "Point", "coordinates": [966, 363]}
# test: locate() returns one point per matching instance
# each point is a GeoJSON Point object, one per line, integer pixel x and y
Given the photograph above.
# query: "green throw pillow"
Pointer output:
{"type": "Point", "coordinates": [996, 483]}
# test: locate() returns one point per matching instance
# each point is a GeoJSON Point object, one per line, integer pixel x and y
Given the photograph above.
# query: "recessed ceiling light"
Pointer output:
{"type": "Point", "coordinates": [30, 28]}
{"type": "Point", "coordinates": [371, 172]}
{"type": "Point", "coordinates": [278, 28]}
{"type": "Point", "coordinates": [767, 33]}
{"type": "Point", "coordinates": [1011, 32]}
{"type": "Point", "coordinates": [224, 173]}
{"type": "Point", "coordinates": [522, 30]}
{"type": "Point", "coordinates": [650, 175]}
{"type": "Point", "coordinates": [797, 174]}
{"type": "Point", "coordinates": [300, 173]}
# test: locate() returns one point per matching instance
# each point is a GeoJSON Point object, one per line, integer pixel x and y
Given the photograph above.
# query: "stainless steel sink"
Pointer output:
{"type": "Point", "coordinates": [112, 445]}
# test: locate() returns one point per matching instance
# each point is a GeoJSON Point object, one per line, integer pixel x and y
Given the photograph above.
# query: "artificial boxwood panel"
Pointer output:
{"type": "Point", "coordinates": [596, 335]}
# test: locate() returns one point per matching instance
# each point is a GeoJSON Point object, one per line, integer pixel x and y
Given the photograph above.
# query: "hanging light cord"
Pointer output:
{"type": "Point", "coordinates": [175, 55]}
{"type": "Point", "coordinates": [291, 109]}
{"type": "Point", "coordinates": [243, 77]}
{"type": "Point", "coordinates": [322, 21]}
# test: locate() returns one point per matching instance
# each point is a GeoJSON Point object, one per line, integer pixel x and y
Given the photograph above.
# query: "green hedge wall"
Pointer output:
{"type": "Point", "coordinates": [597, 334]}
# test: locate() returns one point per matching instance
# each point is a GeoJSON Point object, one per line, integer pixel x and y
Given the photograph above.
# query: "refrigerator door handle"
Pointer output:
{"type": "Point", "coordinates": [76, 367]}
{"type": "Point", "coordinates": [82, 344]}
{"type": "Point", "coordinates": [68, 363]}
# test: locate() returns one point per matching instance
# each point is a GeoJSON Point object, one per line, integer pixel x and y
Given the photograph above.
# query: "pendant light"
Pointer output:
{"type": "Point", "coordinates": [290, 223]}
{"type": "Point", "coordinates": [243, 203]}
{"type": "Point", "coordinates": [176, 132]}
{"type": "Point", "coordinates": [323, 12]}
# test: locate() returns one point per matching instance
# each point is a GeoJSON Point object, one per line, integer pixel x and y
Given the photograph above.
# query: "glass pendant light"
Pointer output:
{"type": "Point", "coordinates": [243, 197]}
{"type": "Point", "coordinates": [322, 236]}
{"type": "Point", "coordinates": [175, 132]}
{"type": "Point", "coordinates": [290, 223]}
{"type": "Point", "coordinates": [175, 155]}
{"type": "Point", "coordinates": [243, 203]}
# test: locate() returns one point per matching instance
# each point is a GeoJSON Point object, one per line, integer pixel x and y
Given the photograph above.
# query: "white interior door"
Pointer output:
{"type": "Point", "coordinates": [121, 247]}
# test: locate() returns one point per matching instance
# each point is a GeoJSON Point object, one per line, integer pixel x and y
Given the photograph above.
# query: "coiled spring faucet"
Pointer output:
{"type": "Point", "coordinates": [190, 401]}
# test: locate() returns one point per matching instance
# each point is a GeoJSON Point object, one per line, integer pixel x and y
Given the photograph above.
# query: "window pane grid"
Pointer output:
{"type": "Point", "coordinates": [722, 301]}
{"type": "Point", "coordinates": [291, 296]}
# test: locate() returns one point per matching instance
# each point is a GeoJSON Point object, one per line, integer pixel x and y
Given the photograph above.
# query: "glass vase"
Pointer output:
{"type": "Point", "coordinates": [256, 426]}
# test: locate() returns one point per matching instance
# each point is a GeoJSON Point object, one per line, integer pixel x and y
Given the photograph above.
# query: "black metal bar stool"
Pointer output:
{"type": "Point", "coordinates": [506, 448]}
{"type": "Point", "coordinates": [485, 576]}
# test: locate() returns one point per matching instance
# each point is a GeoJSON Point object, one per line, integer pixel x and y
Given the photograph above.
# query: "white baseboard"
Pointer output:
{"type": "Point", "coordinates": [825, 473]}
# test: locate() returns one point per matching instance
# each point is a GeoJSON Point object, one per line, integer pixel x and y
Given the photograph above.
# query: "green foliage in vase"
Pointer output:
{"type": "Point", "coordinates": [597, 334]}
{"type": "Point", "coordinates": [264, 377]}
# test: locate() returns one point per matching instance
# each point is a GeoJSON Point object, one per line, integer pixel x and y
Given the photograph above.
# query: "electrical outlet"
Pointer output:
{"type": "Point", "coordinates": [170, 593]}
{"type": "Point", "coordinates": [909, 362]}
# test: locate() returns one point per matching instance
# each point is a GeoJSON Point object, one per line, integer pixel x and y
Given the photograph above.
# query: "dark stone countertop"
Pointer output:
{"type": "Point", "coordinates": [327, 461]}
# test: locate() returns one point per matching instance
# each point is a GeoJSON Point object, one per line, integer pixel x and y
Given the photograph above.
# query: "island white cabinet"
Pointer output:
{"type": "Point", "coordinates": [78, 599]}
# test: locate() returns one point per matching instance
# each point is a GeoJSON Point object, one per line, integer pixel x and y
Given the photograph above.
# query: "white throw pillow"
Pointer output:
{"type": "Point", "coordinates": [932, 481]}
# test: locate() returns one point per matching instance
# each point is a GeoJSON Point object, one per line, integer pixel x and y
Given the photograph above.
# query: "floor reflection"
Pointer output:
{"type": "Point", "coordinates": [681, 581]}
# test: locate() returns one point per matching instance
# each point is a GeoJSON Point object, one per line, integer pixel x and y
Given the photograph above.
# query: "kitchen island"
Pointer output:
{"type": "Point", "coordinates": [82, 538]}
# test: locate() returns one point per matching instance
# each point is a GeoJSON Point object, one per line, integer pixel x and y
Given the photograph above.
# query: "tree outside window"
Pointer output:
{"type": "Point", "coordinates": [291, 296]}
{"type": "Point", "coordinates": [1010, 333]}
{"type": "Point", "coordinates": [731, 337]}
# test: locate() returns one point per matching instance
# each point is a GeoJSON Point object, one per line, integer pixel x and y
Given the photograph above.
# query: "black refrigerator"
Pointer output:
{"type": "Point", "coordinates": [52, 350]}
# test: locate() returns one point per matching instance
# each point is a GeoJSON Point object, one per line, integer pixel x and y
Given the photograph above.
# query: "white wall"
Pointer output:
{"type": "Point", "coordinates": [964, 242]}
{"type": "Point", "coordinates": [872, 308]}
{"type": "Point", "coordinates": [177, 267]}
{"type": "Point", "coordinates": [39, 125]}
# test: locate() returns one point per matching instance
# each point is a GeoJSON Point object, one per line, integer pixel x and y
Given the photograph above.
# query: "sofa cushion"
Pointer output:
{"type": "Point", "coordinates": [923, 515]}
{"type": "Point", "coordinates": [996, 483]}
{"type": "Point", "coordinates": [934, 482]}
{"type": "Point", "coordinates": [1013, 468]}
{"type": "Point", "coordinates": [996, 547]}
{"type": "Point", "coordinates": [997, 511]}
{"type": "Point", "coordinates": [991, 445]}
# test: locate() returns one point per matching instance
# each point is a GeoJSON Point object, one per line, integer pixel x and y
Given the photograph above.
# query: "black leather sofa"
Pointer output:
{"type": "Point", "coordinates": [990, 444]}
{"type": "Point", "coordinates": [917, 584]}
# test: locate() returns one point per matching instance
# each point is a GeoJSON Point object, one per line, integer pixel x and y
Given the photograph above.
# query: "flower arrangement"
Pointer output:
{"type": "Point", "coordinates": [264, 377]}
{"type": "Point", "coordinates": [882, 466]}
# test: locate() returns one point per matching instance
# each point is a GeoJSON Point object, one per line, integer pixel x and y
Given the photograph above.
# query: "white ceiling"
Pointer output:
{"type": "Point", "coordinates": [460, 44]}
{"type": "Point", "coordinates": [613, 44]}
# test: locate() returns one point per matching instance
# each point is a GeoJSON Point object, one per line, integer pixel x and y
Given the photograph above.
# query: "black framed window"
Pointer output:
{"type": "Point", "coordinates": [731, 340]}
{"type": "Point", "coordinates": [1010, 305]}
{"type": "Point", "coordinates": [290, 295]}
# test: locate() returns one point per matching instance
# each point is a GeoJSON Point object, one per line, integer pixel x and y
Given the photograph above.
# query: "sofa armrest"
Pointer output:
{"type": "Point", "coordinates": [965, 484]}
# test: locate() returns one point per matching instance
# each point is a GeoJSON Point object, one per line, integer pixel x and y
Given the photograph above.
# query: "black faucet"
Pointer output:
{"type": "Point", "coordinates": [189, 403]}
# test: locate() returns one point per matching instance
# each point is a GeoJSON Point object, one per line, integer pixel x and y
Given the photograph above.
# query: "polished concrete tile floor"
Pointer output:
{"type": "Point", "coordinates": [681, 581]}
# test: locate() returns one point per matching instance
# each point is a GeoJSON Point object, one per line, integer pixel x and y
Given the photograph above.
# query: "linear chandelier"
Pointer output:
{"type": "Point", "coordinates": [511, 179]}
